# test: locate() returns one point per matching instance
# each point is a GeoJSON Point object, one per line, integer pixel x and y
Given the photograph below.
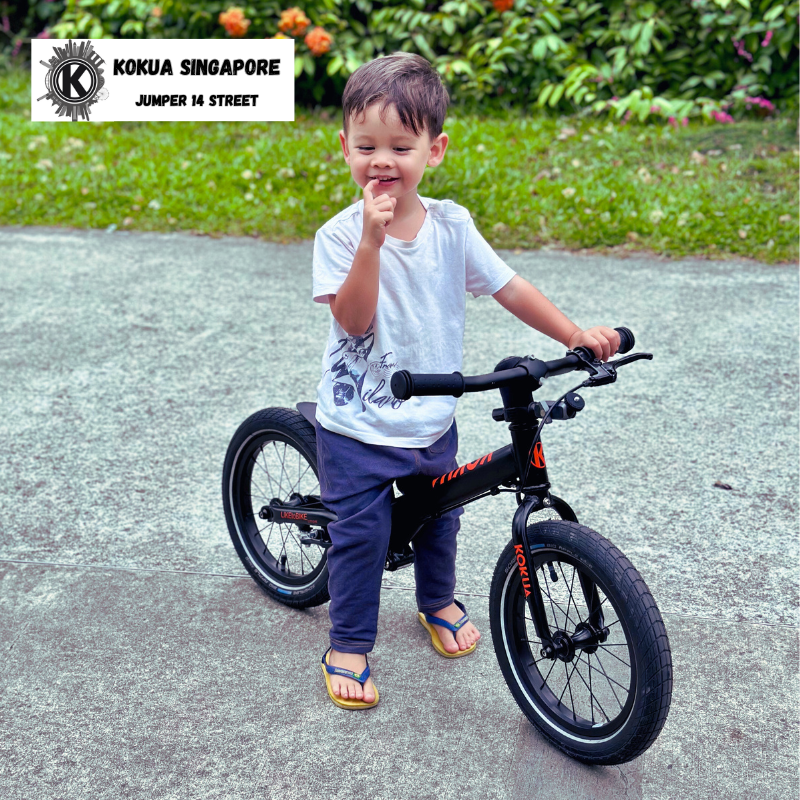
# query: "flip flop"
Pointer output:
{"type": "Point", "coordinates": [428, 620]}
{"type": "Point", "coordinates": [361, 677]}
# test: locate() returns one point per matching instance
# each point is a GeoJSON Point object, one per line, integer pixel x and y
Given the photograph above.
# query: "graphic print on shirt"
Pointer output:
{"type": "Point", "coordinates": [350, 371]}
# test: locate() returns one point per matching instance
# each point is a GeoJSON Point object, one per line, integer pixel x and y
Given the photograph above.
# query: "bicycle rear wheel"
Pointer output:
{"type": "Point", "coordinates": [273, 456]}
{"type": "Point", "coordinates": [601, 704]}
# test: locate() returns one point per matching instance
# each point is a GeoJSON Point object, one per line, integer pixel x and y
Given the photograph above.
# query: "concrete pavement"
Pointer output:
{"type": "Point", "coordinates": [138, 660]}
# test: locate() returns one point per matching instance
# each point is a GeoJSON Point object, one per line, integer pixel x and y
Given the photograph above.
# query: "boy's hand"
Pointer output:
{"type": "Point", "coordinates": [602, 341]}
{"type": "Point", "coordinates": [378, 213]}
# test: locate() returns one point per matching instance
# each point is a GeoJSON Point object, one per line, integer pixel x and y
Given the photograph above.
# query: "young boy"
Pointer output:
{"type": "Point", "coordinates": [395, 268]}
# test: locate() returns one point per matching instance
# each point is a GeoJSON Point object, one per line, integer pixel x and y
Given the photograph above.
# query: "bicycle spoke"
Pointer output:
{"type": "Point", "coordinates": [589, 685]}
{"type": "Point", "coordinates": [302, 554]}
{"type": "Point", "coordinates": [617, 657]}
{"type": "Point", "coordinates": [595, 699]}
{"type": "Point", "coordinates": [281, 459]}
{"type": "Point", "coordinates": [560, 607]}
{"type": "Point", "coordinates": [555, 618]}
{"type": "Point", "coordinates": [571, 597]}
{"type": "Point", "coordinates": [544, 681]}
{"type": "Point", "coordinates": [263, 469]}
{"type": "Point", "coordinates": [611, 681]}
{"type": "Point", "coordinates": [263, 494]}
{"type": "Point", "coordinates": [569, 686]}
{"type": "Point", "coordinates": [261, 533]}
{"type": "Point", "coordinates": [302, 475]}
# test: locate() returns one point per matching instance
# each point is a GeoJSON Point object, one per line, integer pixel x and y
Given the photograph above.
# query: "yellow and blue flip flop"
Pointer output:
{"type": "Point", "coordinates": [428, 620]}
{"type": "Point", "coordinates": [361, 677]}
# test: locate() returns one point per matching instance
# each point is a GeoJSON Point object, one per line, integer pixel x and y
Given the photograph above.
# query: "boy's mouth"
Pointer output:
{"type": "Point", "coordinates": [384, 181]}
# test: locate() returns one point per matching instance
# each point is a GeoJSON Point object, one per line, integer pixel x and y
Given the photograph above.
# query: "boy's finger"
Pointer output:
{"type": "Point", "coordinates": [394, 201]}
{"type": "Point", "coordinates": [368, 195]}
{"type": "Point", "coordinates": [610, 339]}
{"type": "Point", "coordinates": [596, 347]}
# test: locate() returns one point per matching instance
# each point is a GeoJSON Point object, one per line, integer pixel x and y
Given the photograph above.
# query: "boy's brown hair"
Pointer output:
{"type": "Point", "coordinates": [403, 80]}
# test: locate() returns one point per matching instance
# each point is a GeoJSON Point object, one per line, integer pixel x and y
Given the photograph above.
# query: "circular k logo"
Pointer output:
{"type": "Point", "coordinates": [74, 79]}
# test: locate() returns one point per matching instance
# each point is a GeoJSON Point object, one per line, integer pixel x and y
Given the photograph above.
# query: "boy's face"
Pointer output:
{"type": "Point", "coordinates": [375, 149]}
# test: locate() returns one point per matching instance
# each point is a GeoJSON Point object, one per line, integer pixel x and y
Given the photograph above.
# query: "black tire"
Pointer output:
{"type": "Point", "coordinates": [272, 454]}
{"type": "Point", "coordinates": [602, 706]}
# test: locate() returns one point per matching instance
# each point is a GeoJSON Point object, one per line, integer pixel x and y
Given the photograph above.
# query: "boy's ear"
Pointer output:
{"type": "Point", "coordinates": [438, 147]}
{"type": "Point", "coordinates": [343, 140]}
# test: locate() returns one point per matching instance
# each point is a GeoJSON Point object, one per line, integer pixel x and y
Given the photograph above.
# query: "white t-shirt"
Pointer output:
{"type": "Point", "coordinates": [418, 323]}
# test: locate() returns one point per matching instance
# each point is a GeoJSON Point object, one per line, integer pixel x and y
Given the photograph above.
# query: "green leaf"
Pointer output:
{"type": "Point", "coordinates": [420, 41]}
{"type": "Point", "coordinates": [773, 13]}
{"type": "Point", "coordinates": [554, 43]}
{"type": "Point", "coordinates": [544, 95]}
{"type": "Point", "coordinates": [449, 26]}
{"type": "Point", "coordinates": [298, 66]}
{"type": "Point", "coordinates": [334, 65]}
{"type": "Point", "coordinates": [492, 45]}
{"type": "Point", "coordinates": [554, 21]}
{"type": "Point", "coordinates": [474, 49]}
{"type": "Point", "coordinates": [540, 49]}
{"type": "Point", "coordinates": [556, 95]}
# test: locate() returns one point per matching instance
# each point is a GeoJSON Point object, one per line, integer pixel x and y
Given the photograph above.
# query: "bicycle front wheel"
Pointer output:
{"type": "Point", "coordinates": [599, 688]}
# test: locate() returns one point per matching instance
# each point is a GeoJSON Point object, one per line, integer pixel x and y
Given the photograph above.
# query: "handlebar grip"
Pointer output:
{"type": "Point", "coordinates": [626, 340]}
{"type": "Point", "coordinates": [405, 385]}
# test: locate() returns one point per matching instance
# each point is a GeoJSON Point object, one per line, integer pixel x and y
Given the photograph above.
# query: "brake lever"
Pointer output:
{"type": "Point", "coordinates": [602, 373]}
{"type": "Point", "coordinates": [599, 373]}
{"type": "Point", "coordinates": [631, 358]}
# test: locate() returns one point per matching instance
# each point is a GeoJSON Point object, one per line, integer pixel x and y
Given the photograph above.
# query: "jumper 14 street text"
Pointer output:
{"type": "Point", "coordinates": [197, 100]}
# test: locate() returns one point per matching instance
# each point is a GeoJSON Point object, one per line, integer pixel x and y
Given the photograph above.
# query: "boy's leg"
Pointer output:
{"type": "Point", "coordinates": [356, 483]}
{"type": "Point", "coordinates": [353, 487]}
{"type": "Point", "coordinates": [435, 548]}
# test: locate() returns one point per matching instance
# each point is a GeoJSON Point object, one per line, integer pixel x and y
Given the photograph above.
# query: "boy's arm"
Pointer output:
{"type": "Point", "coordinates": [528, 304]}
{"type": "Point", "coordinates": [353, 306]}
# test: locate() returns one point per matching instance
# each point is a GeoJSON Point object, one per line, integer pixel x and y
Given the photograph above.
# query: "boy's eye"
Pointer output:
{"type": "Point", "coordinates": [399, 149]}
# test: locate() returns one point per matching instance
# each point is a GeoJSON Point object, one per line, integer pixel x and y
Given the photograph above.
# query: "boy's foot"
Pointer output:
{"type": "Point", "coordinates": [347, 688]}
{"type": "Point", "coordinates": [464, 638]}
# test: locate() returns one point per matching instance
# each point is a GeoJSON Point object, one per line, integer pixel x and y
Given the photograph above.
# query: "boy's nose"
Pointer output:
{"type": "Point", "coordinates": [382, 160]}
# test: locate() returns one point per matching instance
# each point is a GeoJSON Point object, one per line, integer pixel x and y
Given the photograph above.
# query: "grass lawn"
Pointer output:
{"type": "Point", "coordinates": [710, 190]}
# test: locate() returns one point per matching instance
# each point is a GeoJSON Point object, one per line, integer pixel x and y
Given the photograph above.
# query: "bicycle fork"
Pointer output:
{"type": "Point", "coordinates": [535, 494]}
{"type": "Point", "coordinates": [559, 643]}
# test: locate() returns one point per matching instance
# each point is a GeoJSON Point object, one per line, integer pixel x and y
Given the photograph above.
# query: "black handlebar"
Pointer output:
{"type": "Point", "coordinates": [404, 384]}
{"type": "Point", "coordinates": [626, 340]}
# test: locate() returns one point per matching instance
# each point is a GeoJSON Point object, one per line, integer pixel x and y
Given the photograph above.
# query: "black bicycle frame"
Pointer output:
{"type": "Point", "coordinates": [425, 498]}
{"type": "Point", "coordinates": [429, 498]}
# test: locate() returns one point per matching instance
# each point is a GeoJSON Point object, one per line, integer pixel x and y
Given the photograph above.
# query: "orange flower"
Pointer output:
{"type": "Point", "coordinates": [502, 5]}
{"type": "Point", "coordinates": [318, 41]}
{"type": "Point", "coordinates": [156, 12]}
{"type": "Point", "coordinates": [234, 22]}
{"type": "Point", "coordinates": [293, 21]}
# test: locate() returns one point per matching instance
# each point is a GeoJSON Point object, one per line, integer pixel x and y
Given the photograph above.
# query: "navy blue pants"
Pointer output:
{"type": "Point", "coordinates": [356, 483]}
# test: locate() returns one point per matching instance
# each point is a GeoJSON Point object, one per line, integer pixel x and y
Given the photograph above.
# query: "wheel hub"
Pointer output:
{"type": "Point", "coordinates": [563, 646]}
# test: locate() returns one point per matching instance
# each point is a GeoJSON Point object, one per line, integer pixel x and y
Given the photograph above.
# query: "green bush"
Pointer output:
{"type": "Point", "coordinates": [671, 58]}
